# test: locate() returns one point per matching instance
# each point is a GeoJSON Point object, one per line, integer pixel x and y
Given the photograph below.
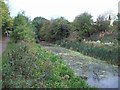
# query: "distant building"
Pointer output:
{"type": "Point", "coordinates": [110, 21]}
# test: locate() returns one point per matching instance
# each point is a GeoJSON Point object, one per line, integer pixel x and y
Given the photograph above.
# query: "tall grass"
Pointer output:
{"type": "Point", "coordinates": [109, 54]}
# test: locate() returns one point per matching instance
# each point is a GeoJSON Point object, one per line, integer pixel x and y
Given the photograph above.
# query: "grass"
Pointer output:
{"type": "Point", "coordinates": [27, 65]}
{"type": "Point", "coordinates": [106, 53]}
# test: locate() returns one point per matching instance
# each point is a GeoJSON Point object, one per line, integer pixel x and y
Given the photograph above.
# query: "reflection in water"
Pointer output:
{"type": "Point", "coordinates": [108, 82]}
{"type": "Point", "coordinates": [103, 78]}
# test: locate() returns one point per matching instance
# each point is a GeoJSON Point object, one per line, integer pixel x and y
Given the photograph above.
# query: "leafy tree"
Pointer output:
{"type": "Point", "coordinates": [7, 21]}
{"type": "Point", "coordinates": [44, 29]}
{"type": "Point", "coordinates": [118, 26]}
{"type": "Point", "coordinates": [22, 29]}
{"type": "Point", "coordinates": [20, 20]}
{"type": "Point", "coordinates": [58, 29]}
{"type": "Point", "coordinates": [83, 24]}
{"type": "Point", "coordinates": [102, 23]}
{"type": "Point", "coordinates": [38, 23]}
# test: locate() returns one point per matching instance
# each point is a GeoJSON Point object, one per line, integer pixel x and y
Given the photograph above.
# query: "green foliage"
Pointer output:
{"type": "Point", "coordinates": [58, 29]}
{"type": "Point", "coordinates": [115, 23]}
{"type": "Point", "coordinates": [43, 30]}
{"type": "Point", "coordinates": [38, 23]}
{"type": "Point", "coordinates": [27, 65]}
{"type": "Point", "coordinates": [7, 21]}
{"type": "Point", "coordinates": [16, 65]}
{"type": "Point", "coordinates": [22, 29]}
{"type": "Point", "coordinates": [83, 24]}
{"type": "Point", "coordinates": [102, 24]}
{"type": "Point", "coordinates": [22, 67]}
{"type": "Point", "coordinates": [18, 59]}
{"type": "Point", "coordinates": [109, 54]}
{"type": "Point", "coordinates": [118, 26]}
{"type": "Point", "coordinates": [20, 20]}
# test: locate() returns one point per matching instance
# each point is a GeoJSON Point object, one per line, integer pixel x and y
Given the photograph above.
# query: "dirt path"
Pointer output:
{"type": "Point", "coordinates": [3, 44]}
{"type": "Point", "coordinates": [96, 72]}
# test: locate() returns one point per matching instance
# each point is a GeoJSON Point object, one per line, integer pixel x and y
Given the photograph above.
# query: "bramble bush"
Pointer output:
{"type": "Point", "coordinates": [19, 65]}
{"type": "Point", "coordinates": [27, 65]}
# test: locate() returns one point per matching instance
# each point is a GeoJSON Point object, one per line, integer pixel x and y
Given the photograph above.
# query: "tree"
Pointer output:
{"type": "Point", "coordinates": [7, 21]}
{"type": "Point", "coordinates": [102, 23]}
{"type": "Point", "coordinates": [20, 20]}
{"type": "Point", "coordinates": [22, 29]}
{"type": "Point", "coordinates": [58, 29]}
{"type": "Point", "coordinates": [118, 26]}
{"type": "Point", "coordinates": [44, 29]}
{"type": "Point", "coordinates": [38, 23]}
{"type": "Point", "coordinates": [83, 24]}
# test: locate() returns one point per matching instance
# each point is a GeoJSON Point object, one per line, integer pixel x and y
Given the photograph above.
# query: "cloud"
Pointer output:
{"type": "Point", "coordinates": [66, 8]}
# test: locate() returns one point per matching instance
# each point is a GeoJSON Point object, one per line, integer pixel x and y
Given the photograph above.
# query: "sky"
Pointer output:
{"type": "Point", "coordinates": [68, 9]}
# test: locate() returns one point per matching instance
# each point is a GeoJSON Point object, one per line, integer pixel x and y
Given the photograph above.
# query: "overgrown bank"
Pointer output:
{"type": "Point", "coordinates": [26, 65]}
{"type": "Point", "coordinates": [106, 53]}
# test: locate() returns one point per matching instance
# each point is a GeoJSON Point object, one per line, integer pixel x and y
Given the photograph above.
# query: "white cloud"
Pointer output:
{"type": "Point", "coordinates": [66, 8]}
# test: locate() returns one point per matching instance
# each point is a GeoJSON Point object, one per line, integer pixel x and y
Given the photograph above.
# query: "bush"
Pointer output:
{"type": "Point", "coordinates": [19, 63]}
{"type": "Point", "coordinates": [23, 30]}
{"type": "Point", "coordinates": [27, 65]}
{"type": "Point", "coordinates": [22, 33]}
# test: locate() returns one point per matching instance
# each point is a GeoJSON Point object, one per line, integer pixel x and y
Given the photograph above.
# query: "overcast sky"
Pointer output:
{"type": "Point", "coordinates": [66, 8]}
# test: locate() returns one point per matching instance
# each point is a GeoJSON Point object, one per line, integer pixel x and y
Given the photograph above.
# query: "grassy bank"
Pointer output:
{"type": "Point", "coordinates": [106, 53]}
{"type": "Point", "coordinates": [27, 65]}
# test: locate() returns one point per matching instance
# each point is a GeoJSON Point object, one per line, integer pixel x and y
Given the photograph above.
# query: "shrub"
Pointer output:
{"type": "Point", "coordinates": [15, 65]}
{"type": "Point", "coordinates": [22, 33]}
{"type": "Point", "coordinates": [21, 64]}
{"type": "Point", "coordinates": [22, 29]}
{"type": "Point", "coordinates": [27, 65]}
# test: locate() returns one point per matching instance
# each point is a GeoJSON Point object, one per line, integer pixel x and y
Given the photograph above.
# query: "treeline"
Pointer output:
{"type": "Point", "coordinates": [61, 30]}
{"type": "Point", "coordinates": [53, 30]}
{"type": "Point", "coordinates": [82, 27]}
